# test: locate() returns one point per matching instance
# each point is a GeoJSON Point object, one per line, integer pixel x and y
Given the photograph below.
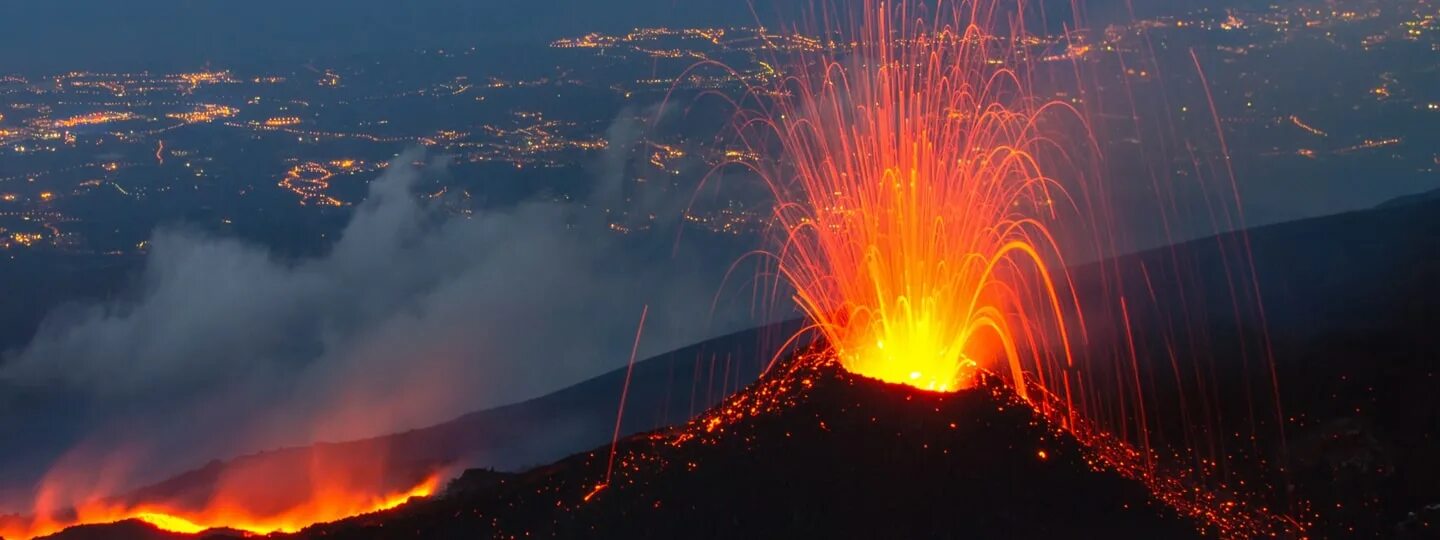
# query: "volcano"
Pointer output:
{"type": "Point", "coordinates": [848, 456]}
{"type": "Point", "coordinates": [810, 450]}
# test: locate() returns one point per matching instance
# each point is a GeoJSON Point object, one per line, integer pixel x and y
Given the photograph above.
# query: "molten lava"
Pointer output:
{"type": "Point", "coordinates": [326, 500]}
{"type": "Point", "coordinates": [914, 203]}
{"type": "Point", "coordinates": [922, 202]}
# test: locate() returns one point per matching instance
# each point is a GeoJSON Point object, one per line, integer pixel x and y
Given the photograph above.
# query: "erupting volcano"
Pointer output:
{"type": "Point", "coordinates": [925, 198]}
{"type": "Point", "coordinates": [811, 450]}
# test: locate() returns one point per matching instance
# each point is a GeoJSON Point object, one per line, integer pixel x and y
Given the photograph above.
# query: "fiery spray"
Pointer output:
{"type": "Point", "coordinates": [925, 201]}
{"type": "Point", "coordinates": [914, 203]}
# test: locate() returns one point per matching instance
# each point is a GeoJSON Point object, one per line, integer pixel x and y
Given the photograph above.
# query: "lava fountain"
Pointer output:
{"type": "Point", "coordinates": [915, 202]}
{"type": "Point", "coordinates": [926, 201]}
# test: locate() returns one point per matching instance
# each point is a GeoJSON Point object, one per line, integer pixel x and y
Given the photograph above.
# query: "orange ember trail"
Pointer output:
{"type": "Point", "coordinates": [324, 505]}
{"type": "Point", "coordinates": [914, 204]}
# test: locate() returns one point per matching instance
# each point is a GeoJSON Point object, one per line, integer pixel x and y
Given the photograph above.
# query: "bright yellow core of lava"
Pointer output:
{"type": "Point", "coordinates": [912, 351]}
{"type": "Point", "coordinates": [957, 319]}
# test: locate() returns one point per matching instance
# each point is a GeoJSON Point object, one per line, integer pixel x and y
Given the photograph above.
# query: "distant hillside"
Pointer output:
{"type": "Point", "coordinates": [1375, 268]}
{"type": "Point", "coordinates": [1418, 198]}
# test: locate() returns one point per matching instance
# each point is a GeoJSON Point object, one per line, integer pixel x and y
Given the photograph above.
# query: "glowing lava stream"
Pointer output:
{"type": "Point", "coordinates": [913, 201]}
{"type": "Point", "coordinates": [324, 506]}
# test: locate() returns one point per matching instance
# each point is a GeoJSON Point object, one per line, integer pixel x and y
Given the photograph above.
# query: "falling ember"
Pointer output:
{"type": "Point", "coordinates": [323, 503]}
{"type": "Point", "coordinates": [914, 206]}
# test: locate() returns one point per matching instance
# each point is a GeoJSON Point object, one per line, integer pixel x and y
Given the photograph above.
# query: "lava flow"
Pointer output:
{"type": "Point", "coordinates": [913, 202]}
{"type": "Point", "coordinates": [253, 502]}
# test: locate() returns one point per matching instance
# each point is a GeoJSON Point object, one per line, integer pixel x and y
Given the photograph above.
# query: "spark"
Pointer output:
{"type": "Point", "coordinates": [620, 414]}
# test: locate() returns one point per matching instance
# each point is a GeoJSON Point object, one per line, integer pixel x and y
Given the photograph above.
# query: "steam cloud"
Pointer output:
{"type": "Point", "coordinates": [414, 315]}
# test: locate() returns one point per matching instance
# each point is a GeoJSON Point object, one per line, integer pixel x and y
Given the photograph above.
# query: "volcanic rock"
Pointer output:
{"type": "Point", "coordinates": [814, 452]}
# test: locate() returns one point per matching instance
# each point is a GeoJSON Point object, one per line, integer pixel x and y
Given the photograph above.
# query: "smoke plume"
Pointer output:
{"type": "Point", "coordinates": [416, 314]}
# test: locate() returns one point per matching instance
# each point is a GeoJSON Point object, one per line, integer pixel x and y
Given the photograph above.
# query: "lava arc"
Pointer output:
{"type": "Point", "coordinates": [915, 203]}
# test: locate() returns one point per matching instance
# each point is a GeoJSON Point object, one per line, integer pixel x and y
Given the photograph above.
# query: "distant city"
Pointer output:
{"type": "Point", "coordinates": [94, 161]}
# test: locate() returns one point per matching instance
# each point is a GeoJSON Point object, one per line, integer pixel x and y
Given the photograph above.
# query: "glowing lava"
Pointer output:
{"type": "Point", "coordinates": [914, 203]}
{"type": "Point", "coordinates": [923, 198]}
{"type": "Point", "coordinates": [324, 503]}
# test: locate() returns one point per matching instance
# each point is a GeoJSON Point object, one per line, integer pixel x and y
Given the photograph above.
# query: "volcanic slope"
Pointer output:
{"type": "Point", "coordinates": [1350, 300]}
{"type": "Point", "coordinates": [814, 452]}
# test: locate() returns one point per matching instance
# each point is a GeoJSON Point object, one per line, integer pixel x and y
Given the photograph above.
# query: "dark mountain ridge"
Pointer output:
{"type": "Point", "coordinates": [808, 451]}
